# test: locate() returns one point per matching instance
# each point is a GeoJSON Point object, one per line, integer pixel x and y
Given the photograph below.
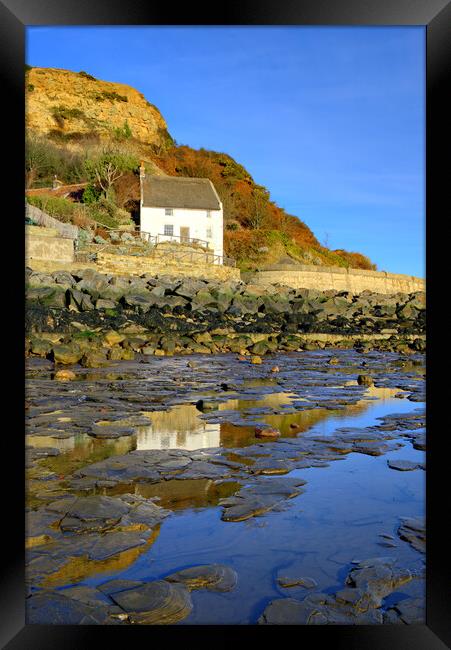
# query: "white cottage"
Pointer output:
{"type": "Point", "coordinates": [180, 209]}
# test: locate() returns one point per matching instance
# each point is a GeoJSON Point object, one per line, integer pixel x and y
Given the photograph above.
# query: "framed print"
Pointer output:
{"type": "Point", "coordinates": [229, 221]}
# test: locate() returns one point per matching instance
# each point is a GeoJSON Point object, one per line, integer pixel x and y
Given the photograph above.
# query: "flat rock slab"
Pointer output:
{"type": "Point", "coordinates": [317, 609]}
{"type": "Point", "coordinates": [54, 608]}
{"type": "Point", "coordinates": [405, 465]}
{"type": "Point", "coordinates": [93, 513]}
{"type": "Point", "coordinates": [117, 542]}
{"type": "Point", "coordinates": [155, 603]}
{"type": "Point", "coordinates": [413, 530]}
{"type": "Point", "coordinates": [287, 580]}
{"type": "Point", "coordinates": [286, 611]}
{"type": "Point", "coordinates": [410, 611]}
{"type": "Point", "coordinates": [215, 577]}
{"type": "Point", "coordinates": [115, 586]}
{"type": "Point", "coordinates": [378, 579]}
{"type": "Point", "coordinates": [260, 498]}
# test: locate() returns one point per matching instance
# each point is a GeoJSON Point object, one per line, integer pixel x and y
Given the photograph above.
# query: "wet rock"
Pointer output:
{"type": "Point", "coordinates": [287, 611]}
{"type": "Point", "coordinates": [117, 585]}
{"type": "Point", "coordinates": [256, 360]}
{"type": "Point", "coordinates": [365, 380]}
{"type": "Point", "coordinates": [94, 359]}
{"type": "Point", "coordinates": [286, 580]}
{"type": "Point", "coordinates": [404, 465]}
{"type": "Point", "coordinates": [259, 498]}
{"type": "Point", "coordinates": [214, 577]}
{"type": "Point", "coordinates": [199, 469]}
{"type": "Point", "coordinates": [93, 513]}
{"type": "Point", "coordinates": [267, 432]}
{"type": "Point", "coordinates": [155, 603]}
{"type": "Point", "coordinates": [410, 611]}
{"type": "Point", "coordinates": [54, 608]}
{"type": "Point", "coordinates": [377, 578]}
{"type": "Point", "coordinates": [67, 354]}
{"type": "Point", "coordinates": [65, 375]}
{"type": "Point", "coordinates": [116, 542]}
{"type": "Point", "coordinates": [413, 530]}
{"type": "Point", "coordinates": [104, 432]}
{"type": "Point", "coordinates": [40, 347]}
{"type": "Point", "coordinates": [113, 338]}
{"type": "Point", "coordinates": [86, 595]}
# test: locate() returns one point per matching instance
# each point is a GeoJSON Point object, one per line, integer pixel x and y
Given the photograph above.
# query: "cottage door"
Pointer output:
{"type": "Point", "coordinates": [184, 235]}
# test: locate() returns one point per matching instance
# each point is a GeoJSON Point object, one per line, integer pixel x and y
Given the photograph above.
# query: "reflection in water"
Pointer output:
{"type": "Point", "coordinates": [190, 493]}
{"type": "Point", "coordinates": [181, 427]}
{"type": "Point", "coordinates": [83, 450]}
{"type": "Point", "coordinates": [272, 400]}
{"type": "Point", "coordinates": [178, 428]}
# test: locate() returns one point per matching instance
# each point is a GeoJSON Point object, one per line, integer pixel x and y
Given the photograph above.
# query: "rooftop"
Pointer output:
{"type": "Point", "coordinates": [179, 192]}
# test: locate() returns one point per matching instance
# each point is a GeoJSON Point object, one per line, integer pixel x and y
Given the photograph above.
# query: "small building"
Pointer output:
{"type": "Point", "coordinates": [180, 209]}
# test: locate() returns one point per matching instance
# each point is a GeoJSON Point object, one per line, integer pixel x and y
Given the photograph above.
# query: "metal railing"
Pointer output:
{"type": "Point", "coordinates": [175, 254]}
{"type": "Point", "coordinates": [179, 239]}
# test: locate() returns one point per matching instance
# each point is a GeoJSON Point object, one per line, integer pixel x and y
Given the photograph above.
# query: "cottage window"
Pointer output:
{"type": "Point", "coordinates": [168, 212]}
{"type": "Point", "coordinates": [169, 230]}
{"type": "Point", "coordinates": [209, 214]}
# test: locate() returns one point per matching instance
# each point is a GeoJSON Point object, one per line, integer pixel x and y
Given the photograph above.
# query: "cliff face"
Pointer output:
{"type": "Point", "coordinates": [71, 106]}
{"type": "Point", "coordinates": [72, 111]}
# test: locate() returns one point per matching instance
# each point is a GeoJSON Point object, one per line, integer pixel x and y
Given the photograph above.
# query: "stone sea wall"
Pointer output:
{"type": "Point", "coordinates": [339, 279]}
{"type": "Point", "coordinates": [94, 318]}
{"type": "Point", "coordinates": [134, 265]}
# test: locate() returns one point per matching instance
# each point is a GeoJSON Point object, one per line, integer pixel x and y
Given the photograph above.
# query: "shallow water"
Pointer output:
{"type": "Point", "coordinates": [346, 505]}
{"type": "Point", "coordinates": [337, 520]}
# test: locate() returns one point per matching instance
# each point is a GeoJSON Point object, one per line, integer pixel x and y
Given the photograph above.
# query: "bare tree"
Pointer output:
{"type": "Point", "coordinates": [108, 166]}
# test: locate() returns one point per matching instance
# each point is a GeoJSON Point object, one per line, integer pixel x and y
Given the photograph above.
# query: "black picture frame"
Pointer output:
{"type": "Point", "coordinates": [15, 15]}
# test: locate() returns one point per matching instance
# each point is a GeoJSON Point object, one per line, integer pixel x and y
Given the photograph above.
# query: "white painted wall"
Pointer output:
{"type": "Point", "coordinates": [153, 221]}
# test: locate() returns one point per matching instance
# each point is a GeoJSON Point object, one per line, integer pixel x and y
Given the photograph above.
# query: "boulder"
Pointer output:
{"type": "Point", "coordinates": [67, 354]}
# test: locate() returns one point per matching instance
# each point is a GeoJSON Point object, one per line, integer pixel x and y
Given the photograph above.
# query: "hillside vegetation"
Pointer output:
{"type": "Point", "coordinates": [84, 130]}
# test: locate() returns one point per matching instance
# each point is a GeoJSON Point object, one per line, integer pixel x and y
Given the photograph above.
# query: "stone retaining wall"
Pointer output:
{"type": "Point", "coordinates": [41, 218]}
{"type": "Point", "coordinates": [45, 244]}
{"type": "Point", "coordinates": [137, 265]}
{"type": "Point", "coordinates": [339, 279]}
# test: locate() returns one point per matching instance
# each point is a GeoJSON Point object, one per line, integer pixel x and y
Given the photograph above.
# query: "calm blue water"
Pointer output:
{"type": "Point", "coordinates": [338, 519]}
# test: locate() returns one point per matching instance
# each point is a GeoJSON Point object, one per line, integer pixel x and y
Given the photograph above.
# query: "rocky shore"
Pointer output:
{"type": "Point", "coordinates": [92, 318]}
{"type": "Point", "coordinates": [267, 365]}
{"type": "Point", "coordinates": [94, 513]}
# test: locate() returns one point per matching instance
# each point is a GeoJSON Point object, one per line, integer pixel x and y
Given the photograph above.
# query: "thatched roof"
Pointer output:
{"type": "Point", "coordinates": [179, 192]}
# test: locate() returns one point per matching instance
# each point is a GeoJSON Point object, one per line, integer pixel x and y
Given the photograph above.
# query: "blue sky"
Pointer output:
{"type": "Point", "coordinates": [330, 119]}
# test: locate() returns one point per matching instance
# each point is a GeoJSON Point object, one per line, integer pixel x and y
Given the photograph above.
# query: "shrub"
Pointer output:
{"type": "Point", "coordinates": [55, 206]}
{"type": "Point", "coordinates": [91, 194]}
{"type": "Point", "coordinates": [80, 217]}
{"type": "Point", "coordinates": [111, 96]}
{"type": "Point", "coordinates": [30, 87]}
{"type": "Point", "coordinates": [82, 73]}
{"type": "Point", "coordinates": [73, 136]}
{"type": "Point", "coordinates": [44, 159]}
{"type": "Point", "coordinates": [62, 113]}
{"type": "Point", "coordinates": [124, 133]}
{"type": "Point", "coordinates": [356, 260]}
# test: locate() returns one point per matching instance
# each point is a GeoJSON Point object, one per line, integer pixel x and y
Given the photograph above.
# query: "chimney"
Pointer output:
{"type": "Point", "coordinates": [142, 170]}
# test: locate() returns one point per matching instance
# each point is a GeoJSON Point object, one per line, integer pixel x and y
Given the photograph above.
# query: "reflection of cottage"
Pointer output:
{"type": "Point", "coordinates": [179, 209]}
